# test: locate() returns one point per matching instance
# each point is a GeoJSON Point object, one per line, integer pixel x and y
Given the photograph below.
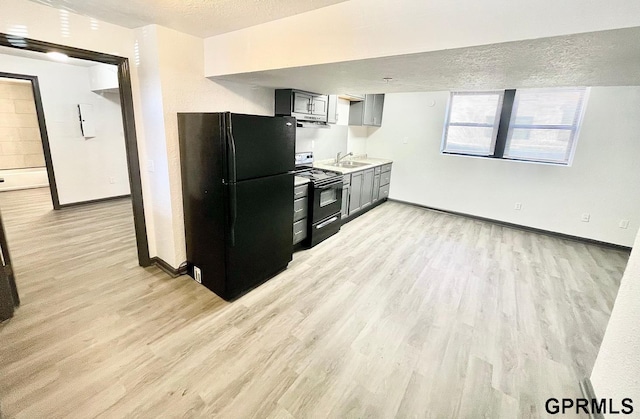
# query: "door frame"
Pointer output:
{"type": "Point", "coordinates": [126, 105]}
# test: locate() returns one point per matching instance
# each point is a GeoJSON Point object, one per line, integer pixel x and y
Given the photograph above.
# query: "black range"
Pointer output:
{"type": "Point", "coordinates": [325, 199]}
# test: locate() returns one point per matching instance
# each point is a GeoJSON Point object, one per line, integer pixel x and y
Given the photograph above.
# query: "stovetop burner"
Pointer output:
{"type": "Point", "coordinates": [304, 168]}
{"type": "Point", "coordinates": [317, 175]}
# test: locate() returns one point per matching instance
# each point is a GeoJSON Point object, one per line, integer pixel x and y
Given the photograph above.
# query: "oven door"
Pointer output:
{"type": "Point", "coordinates": [327, 200]}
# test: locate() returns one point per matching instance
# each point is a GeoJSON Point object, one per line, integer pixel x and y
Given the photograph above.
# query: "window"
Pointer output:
{"type": "Point", "coordinates": [539, 125]}
{"type": "Point", "coordinates": [544, 124]}
{"type": "Point", "coordinates": [472, 123]}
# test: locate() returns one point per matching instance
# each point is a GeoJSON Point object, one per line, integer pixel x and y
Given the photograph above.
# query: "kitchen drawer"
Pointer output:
{"type": "Point", "coordinates": [384, 191]}
{"type": "Point", "coordinates": [386, 168]}
{"type": "Point", "coordinates": [385, 178]}
{"type": "Point", "coordinates": [299, 231]}
{"type": "Point", "coordinates": [300, 191]}
{"type": "Point", "coordinates": [300, 209]}
{"type": "Point", "coordinates": [346, 180]}
{"type": "Point", "coordinates": [378, 169]}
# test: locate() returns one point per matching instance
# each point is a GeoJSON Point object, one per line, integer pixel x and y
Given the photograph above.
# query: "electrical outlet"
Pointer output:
{"type": "Point", "coordinates": [197, 274]}
{"type": "Point", "coordinates": [151, 166]}
{"type": "Point", "coordinates": [585, 217]}
{"type": "Point", "coordinates": [405, 140]}
{"type": "Point", "coordinates": [112, 180]}
{"type": "Point", "coordinates": [517, 206]}
{"type": "Point", "coordinates": [624, 224]}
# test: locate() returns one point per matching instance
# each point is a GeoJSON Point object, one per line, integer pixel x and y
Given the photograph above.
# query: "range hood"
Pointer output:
{"type": "Point", "coordinates": [312, 124]}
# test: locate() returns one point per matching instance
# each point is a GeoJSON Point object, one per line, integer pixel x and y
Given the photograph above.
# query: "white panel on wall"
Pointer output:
{"type": "Point", "coordinates": [87, 122]}
{"type": "Point", "coordinates": [104, 78]}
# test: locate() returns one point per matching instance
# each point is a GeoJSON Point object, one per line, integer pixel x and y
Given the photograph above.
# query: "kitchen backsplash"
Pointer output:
{"type": "Point", "coordinates": [324, 142]}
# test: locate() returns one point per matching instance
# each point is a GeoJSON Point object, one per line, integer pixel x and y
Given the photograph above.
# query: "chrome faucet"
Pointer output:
{"type": "Point", "coordinates": [338, 158]}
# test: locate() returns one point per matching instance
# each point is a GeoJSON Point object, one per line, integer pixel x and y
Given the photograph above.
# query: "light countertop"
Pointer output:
{"type": "Point", "coordinates": [299, 180]}
{"type": "Point", "coordinates": [371, 163]}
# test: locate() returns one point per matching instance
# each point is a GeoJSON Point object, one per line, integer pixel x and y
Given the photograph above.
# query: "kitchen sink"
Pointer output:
{"type": "Point", "coordinates": [349, 163]}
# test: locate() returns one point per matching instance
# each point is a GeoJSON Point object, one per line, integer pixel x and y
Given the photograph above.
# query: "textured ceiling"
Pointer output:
{"type": "Point", "coordinates": [42, 56]}
{"type": "Point", "coordinates": [201, 18]}
{"type": "Point", "coordinates": [605, 58]}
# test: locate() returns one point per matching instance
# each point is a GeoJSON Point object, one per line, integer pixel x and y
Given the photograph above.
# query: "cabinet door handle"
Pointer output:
{"type": "Point", "coordinates": [299, 210]}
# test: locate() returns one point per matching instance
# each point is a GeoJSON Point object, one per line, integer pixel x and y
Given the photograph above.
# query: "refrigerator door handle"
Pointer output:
{"type": "Point", "coordinates": [233, 213]}
{"type": "Point", "coordinates": [231, 152]}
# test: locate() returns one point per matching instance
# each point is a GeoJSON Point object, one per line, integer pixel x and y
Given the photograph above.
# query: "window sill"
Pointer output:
{"type": "Point", "coordinates": [477, 156]}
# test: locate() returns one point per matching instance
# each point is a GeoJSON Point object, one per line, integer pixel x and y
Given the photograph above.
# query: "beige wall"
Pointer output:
{"type": "Point", "coordinates": [20, 144]}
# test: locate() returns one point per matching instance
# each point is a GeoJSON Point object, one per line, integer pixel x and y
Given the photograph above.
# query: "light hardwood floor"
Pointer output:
{"type": "Point", "coordinates": [406, 313]}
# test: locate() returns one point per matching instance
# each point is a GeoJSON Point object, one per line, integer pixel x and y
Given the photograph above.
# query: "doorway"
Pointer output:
{"type": "Point", "coordinates": [22, 162]}
{"type": "Point", "coordinates": [126, 105]}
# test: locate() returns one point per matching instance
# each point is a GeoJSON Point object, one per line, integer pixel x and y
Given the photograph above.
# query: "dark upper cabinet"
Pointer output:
{"type": "Point", "coordinates": [367, 111]}
{"type": "Point", "coordinates": [304, 106]}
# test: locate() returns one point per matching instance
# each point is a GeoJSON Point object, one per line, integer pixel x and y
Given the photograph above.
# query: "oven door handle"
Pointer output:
{"type": "Point", "coordinates": [329, 185]}
{"type": "Point", "coordinates": [326, 223]}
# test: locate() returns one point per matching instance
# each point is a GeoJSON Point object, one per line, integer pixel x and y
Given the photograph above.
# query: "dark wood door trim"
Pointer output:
{"type": "Point", "coordinates": [8, 291]}
{"type": "Point", "coordinates": [126, 102]}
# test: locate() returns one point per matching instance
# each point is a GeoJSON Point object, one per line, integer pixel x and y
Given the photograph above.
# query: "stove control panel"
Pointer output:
{"type": "Point", "coordinates": [304, 159]}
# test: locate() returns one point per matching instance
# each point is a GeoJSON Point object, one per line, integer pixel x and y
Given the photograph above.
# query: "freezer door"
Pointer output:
{"type": "Point", "coordinates": [259, 232]}
{"type": "Point", "coordinates": [260, 146]}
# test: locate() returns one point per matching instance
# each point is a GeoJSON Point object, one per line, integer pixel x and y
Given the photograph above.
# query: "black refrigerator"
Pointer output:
{"type": "Point", "coordinates": [237, 188]}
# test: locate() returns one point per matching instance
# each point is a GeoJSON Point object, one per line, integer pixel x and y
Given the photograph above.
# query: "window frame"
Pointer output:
{"type": "Point", "coordinates": [574, 128]}
{"type": "Point", "coordinates": [495, 125]}
{"type": "Point", "coordinates": [508, 106]}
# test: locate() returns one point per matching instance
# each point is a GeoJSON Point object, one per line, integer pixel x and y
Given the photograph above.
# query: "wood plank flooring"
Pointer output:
{"type": "Point", "coordinates": [405, 313]}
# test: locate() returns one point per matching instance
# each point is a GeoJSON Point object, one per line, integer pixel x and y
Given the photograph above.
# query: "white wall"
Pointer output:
{"type": "Point", "coordinates": [324, 142]}
{"type": "Point", "coordinates": [360, 29]}
{"type": "Point", "coordinates": [357, 141]}
{"type": "Point", "coordinates": [32, 20]}
{"type": "Point", "coordinates": [84, 167]}
{"type": "Point", "coordinates": [603, 180]}
{"type": "Point", "coordinates": [616, 372]}
{"type": "Point", "coordinates": [171, 81]}
{"type": "Point", "coordinates": [171, 65]}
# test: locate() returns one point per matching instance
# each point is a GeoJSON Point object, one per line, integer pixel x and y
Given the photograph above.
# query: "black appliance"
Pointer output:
{"type": "Point", "coordinates": [325, 200]}
{"type": "Point", "coordinates": [237, 188]}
